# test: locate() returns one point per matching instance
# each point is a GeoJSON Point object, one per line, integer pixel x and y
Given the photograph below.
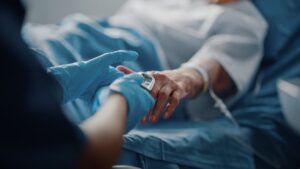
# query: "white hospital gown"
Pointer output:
{"type": "Point", "coordinates": [184, 30]}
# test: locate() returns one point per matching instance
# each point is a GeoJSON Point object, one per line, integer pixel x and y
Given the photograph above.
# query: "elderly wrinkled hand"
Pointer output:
{"type": "Point", "coordinates": [170, 87]}
{"type": "Point", "coordinates": [84, 78]}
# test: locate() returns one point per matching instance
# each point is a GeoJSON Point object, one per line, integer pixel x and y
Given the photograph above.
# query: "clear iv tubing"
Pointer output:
{"type": "Point", "coordinates": [223, 108]}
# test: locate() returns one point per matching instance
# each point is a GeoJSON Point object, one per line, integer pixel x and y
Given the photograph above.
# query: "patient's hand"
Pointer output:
{"type": "Point", "coordinates": [173, 85]}
{"type": "Point", "coordinates": [170, 87]}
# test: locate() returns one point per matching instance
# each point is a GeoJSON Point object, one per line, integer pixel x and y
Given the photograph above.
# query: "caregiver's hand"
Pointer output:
{"type": "Point", "coordinates": [82, 79]}
{"type": "Point", "coordinates": [170, 87]}
{"type": "Point", "coordinates": [138, 99]}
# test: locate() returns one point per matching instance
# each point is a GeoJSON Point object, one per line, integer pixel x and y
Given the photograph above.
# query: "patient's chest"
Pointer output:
{"type": "Point", "coordinates": [174, 14]}
{"type": "Point", "coordinates": [178, 26]}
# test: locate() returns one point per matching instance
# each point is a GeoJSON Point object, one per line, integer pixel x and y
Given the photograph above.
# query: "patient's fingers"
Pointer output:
{"type": "Point", "coordinates": [144, 120]}
{"type": "Point", "coordinates": [173, 103]}
{"type": "Point", "coordinates": [124, 69]}
{"type": "Point", "coordinates": [162, 99]}
{"type": "Point", "coordinates": [147, 117]}
{"type": "Point", "coordinates": [162, 90]}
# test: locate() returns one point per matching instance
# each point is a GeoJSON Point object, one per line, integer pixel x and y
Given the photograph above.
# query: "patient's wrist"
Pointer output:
{"type": "Point", "coordinates": [193, 81]}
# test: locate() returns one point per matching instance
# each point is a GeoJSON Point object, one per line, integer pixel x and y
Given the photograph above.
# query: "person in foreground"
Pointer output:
{"type": "Point", "coordinates": [35, 134]}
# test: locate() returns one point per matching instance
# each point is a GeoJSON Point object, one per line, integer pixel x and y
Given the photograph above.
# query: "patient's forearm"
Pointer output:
{"type": "Point", "coordinates": [105, 131]}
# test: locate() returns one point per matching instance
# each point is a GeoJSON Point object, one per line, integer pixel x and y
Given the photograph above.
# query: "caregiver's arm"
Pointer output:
{"type": "Point", "coordinates": [126, 104]}
{"type": "Point", "coordinates": [105, 131]}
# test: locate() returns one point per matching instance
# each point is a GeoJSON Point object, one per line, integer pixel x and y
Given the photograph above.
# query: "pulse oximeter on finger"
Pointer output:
{"type": "Point", "coordinates": [148, 82]}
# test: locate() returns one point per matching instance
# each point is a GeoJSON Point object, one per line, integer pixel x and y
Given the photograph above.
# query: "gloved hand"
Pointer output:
{"type": "Point", "coordinates": [82, 79]}
{"type": "Point", "coordinates": [139, 100]}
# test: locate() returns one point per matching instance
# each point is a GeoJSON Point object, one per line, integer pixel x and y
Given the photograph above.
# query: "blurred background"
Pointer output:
{"type": "Point", "coordinates": [42, 11]}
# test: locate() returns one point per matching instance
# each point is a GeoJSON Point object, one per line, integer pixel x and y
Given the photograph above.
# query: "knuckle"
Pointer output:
{"type": "Point", "coordinates": [164, 76]}
{"type": "Point", "coordinates": [164, 95]}
{"type": "Point", "coordinates": [176, 86]}
{"type": "Point", "coordinates": [172, 81]}
{"type": "Point", "coordinates": [167, 88]}
{"type": "Point", "coordinates": [155, 74]}
{"type": "Point", "coordinates": [175, 98]}
{"type": "Point", "coordinates": [180, 90]}
{"type": "Point", "coordinates": [160, 76]}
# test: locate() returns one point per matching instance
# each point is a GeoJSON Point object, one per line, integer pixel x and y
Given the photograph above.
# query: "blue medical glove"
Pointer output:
{"type": "Point", "coordinates": [138, 99]}
{"type": "Point", "coordinates": [82, 79]}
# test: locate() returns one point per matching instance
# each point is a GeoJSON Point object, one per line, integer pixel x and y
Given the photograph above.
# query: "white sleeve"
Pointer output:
{"type": "Point", "coordinates": [236, 41]}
